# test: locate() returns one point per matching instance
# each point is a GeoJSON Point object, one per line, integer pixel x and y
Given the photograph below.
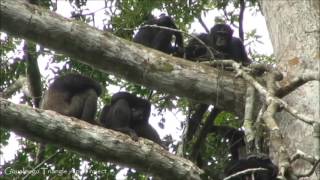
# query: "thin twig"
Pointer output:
{"type": "Point", "coordinates": [252, 170]}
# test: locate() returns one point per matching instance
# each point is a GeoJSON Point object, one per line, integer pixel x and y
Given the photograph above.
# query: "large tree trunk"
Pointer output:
{"type": "Point", "coordinates": [295, 32]}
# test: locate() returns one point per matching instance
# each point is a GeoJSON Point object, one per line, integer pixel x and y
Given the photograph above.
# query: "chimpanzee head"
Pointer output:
{"type": "Point", "coordinates": [140, 111]}
{"type": "Point", "coordinates": [166, 21]}
{"type": "Point", "coordinates": [221, 36]}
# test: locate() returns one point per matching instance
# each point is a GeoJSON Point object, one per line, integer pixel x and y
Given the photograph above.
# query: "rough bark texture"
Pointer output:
{"type": "Point", "coordinates": [93, 141]}
{"type": "Point", "coordinates": [123, 58]}
{"type": "Point", "coordinates": [295, 35]}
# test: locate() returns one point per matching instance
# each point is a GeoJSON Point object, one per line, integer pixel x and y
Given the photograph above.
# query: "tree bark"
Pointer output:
{"type": "Point", "coordinates": [94, 141]}
{"type": "Point", "coordinates": [295, 35]}
{"type": "Point", "coordinates": [123, 58]}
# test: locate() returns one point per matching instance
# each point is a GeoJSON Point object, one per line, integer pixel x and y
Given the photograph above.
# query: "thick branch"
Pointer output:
{"type": "Point", "coordinates": [114, 55]}
{"type": "Point", "coordinates": [97, 142]}
{"type": "Point", "coordinates": [276, 138]}
{"type": "Point", "coordinates": [248, 118]}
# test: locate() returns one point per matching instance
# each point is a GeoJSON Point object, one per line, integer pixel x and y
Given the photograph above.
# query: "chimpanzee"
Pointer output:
{"type": "Point", "coordinates": [195, 49]}
{"type": "Point", "coordinates": [222, 44]}
{"type": "Point", "coordinates": [158, 38]}
{"type": "Point", "coordinates": [129, 114]}
{"type": "Point", "coordinates": [226, 46]}
{"type": "Point", "coordinates": [254, 161]}
{"type": "Point", "coordinates": [73, 95]}
{"type": "Point", "coordinates": [236, 140]}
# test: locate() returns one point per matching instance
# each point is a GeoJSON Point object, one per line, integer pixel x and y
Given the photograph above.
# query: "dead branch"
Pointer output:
{"type": "Point", "coordinates": [248, 118]}
{"type": "Point", "coordinates": [247, 171]}
{"type": "Point", "coordinates": [259, 128]}
{"type": "Point", "coordinates": [276, 138]}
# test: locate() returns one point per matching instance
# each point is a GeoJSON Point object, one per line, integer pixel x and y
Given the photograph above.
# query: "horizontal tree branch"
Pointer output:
{"type": "Point", "coordinates": [94, 141]}
{"type": "Point", "coordinates": [131, 61]}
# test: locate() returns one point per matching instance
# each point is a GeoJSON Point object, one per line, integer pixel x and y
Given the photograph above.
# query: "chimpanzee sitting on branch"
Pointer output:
{"type": "Point", "coordinates": [158, 38]}
{"type": "Point", "coordinates": [222, 44]}
{"type": "Point", "coordinates": [129, 114]}
{"type": "Point", "coordinates": [269, 172]}
{"type": "Point", "coordinates": [73, 95]}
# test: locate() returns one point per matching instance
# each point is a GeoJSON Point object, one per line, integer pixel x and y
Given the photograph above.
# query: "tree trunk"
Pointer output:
{"type": "Point", "coordinates": [295, 35]}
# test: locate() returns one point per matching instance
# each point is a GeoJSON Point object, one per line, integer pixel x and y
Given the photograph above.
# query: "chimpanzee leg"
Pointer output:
{"type": "Point", "coordinates": [147, 131]}
{"type": "Point", "coordinates": [89, 106]}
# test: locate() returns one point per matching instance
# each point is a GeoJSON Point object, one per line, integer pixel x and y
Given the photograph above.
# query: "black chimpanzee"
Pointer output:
{"type": "Point", "coordinates": [222, 43]}
{"type": "Point", "coordinates": [195, 49]}
{"type": "Point", "coordinates": [129, 114]}
{"type": "Point", "coordinates": [236, 140]}
{"type": "Point", "coordinates": [223, 46]}
{"type": "Point", "coordinates": [228, 47]}
{"type": "Point", "coordinates": [73, 95]}
{"type": "Point", "coordinates": [254, 161]}
{"type": "Point", "coordinates": [160, 39]}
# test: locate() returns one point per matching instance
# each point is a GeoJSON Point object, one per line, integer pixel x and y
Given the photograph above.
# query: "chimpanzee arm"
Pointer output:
{"type": "Point", "coordinates": [162, 41]}
{"type": "Point", "coordinates": [195, 49]}
{"type": "Point", "coordinates": [145, 36]}
{"type": "Point", "coordinates": [147, 131]}
{"type": "Point", "coordinates": [83, 105]}
{"type": "Point", "coordinates": [179, 39]}
{"type": "Point", "coordinates": [103, 114]}
{"type": "Point", "coordinates": [238, 51]}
